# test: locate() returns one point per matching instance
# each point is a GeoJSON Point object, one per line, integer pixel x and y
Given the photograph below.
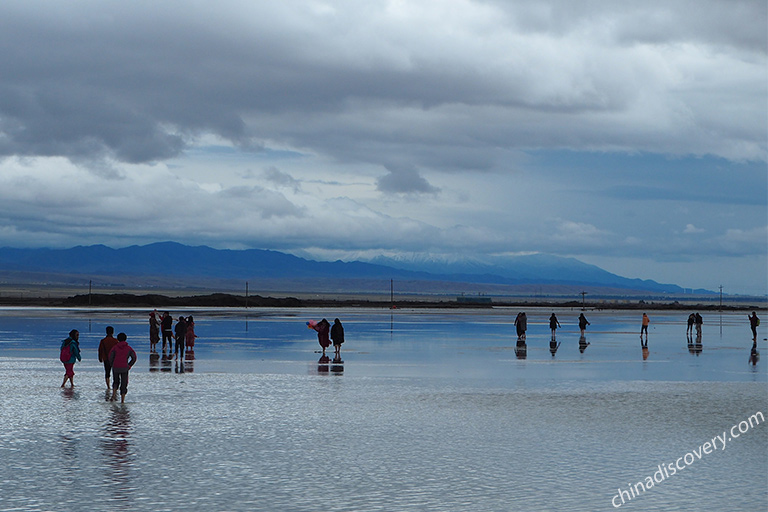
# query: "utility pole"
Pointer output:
{"type": "Point", "coordinates": [721, 297]}
{"type": "Point", "coordinates": [583, 307]}
{"type": "Point", "coordinates": [391, 294]}
{"type": "Point", "coordinates": [90, 289]}
{"type": "Point", "coordinates": [246, 295]}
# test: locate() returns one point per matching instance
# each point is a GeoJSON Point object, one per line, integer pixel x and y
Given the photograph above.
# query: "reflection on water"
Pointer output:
{"type": "Point", "coordinates": [154, 361]}
{"type": "Point", "coordinates": [117, 452]}
{"type": "Point", "coordinates": [430, 411]}
{"type": "Point", "coordinates": [696, 347]}
{"type": "Point", "coordinates": [375, 444]}
{"type": "Point", "coordinates": [583, 344]}
{"type": "Point", "coordinates": [322, 364]}
{"type": "Point", "coordinates": [189, 361]}
{"type": "Point", "coordinates": [338, 365]}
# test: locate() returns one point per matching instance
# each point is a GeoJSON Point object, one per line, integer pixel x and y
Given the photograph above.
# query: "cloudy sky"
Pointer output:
{"type": "Point", "coordinates": [630, 135]}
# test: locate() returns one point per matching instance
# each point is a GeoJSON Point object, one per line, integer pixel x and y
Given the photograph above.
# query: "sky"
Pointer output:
{"type": "Point", "coordinates": [631, 135]}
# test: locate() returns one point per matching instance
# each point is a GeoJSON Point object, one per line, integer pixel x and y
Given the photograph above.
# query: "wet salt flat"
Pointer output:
{"type": "Point", "coordinates": [430, 410]}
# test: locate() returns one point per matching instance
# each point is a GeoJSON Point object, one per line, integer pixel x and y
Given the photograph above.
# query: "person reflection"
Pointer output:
{"type": "Point", "coordinates": [189, 359]}
{"type": "Point", "coordinates": [179, 368]}
{"type": "Point", "coordinates": [117, 451]}
{"type": "Point", "coordinates": [322, 364]}
{"type": "Point", "coordinates": [583, 344]}
{"type": "Point", "coordinates": [521, 349]}
{"type": "Point", "coordinates": [165, 362]}
{"type": "Point", "coordinates": [754, 355]}
{"type": "Point", "coordinates": [338, 365]}
{"type": "Point", "coordinates": [691, 346]}
{"type": "Point", "coordinates": [645, 352]}
{"type": "Point", "coordinates": [154, 361]}
{"type": "Point", "coordinates": [697, 347]}
{"type": "Point", "coordinates": [69, 393]}
{"type": "Point", "coordinates": [553, 346]}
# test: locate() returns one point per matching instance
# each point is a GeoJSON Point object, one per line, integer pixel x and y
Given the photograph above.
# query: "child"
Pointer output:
{"type": "Point", "coordinates": [72, 346]}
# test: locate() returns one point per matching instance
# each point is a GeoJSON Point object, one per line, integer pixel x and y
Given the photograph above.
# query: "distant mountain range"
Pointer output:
{"type": "Point", "coordinates": [166, 260]}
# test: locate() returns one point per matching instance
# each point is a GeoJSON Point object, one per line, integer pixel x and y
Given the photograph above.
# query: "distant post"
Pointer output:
{"type": "Point", "coordinates": [246, 295]}
{"type": "Point", "coordinates": [90, 289]}
{"type": "Point", "coordinates": [391, 293]}
{"type": "Point", "coordinates": [583, 307]}
{"type": "Point", "coordinates": [721, 297]}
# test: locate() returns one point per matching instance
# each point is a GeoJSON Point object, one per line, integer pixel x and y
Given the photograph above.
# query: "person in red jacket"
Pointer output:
{"type": "Point", "coordinates": [105, 347]}
{"type": "Point", "coordinates": [323, 328]}
{"type": "Point", "coordinates": [122, 357]}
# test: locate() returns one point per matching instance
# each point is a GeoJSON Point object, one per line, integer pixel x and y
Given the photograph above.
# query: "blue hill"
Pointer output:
{"type": "Point", "coordinates": [171, 259]}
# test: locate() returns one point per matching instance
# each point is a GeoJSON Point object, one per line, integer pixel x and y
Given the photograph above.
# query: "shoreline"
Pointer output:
{"type": "Point", "coordinates": [242, 301]}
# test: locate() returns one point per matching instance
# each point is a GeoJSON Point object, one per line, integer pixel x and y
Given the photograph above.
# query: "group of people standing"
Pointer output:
{"type": "Point", "coordinates": [521, 325]}
{"type": "Point", "coordinates": [183, 333]}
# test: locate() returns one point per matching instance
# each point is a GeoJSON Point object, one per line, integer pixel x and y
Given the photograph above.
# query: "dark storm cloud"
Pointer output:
{"type": "Point", "coordinates": [139, 81]}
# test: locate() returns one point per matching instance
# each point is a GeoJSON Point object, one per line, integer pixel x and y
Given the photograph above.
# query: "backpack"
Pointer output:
{"type": "Point", "coordinates": [66, 353]}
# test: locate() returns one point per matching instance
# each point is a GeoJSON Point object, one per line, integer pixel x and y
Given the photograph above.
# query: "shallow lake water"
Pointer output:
{"type": "Point", "coordinates": [429, 410]}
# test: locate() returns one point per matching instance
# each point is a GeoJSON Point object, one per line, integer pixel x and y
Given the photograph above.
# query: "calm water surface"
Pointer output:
{"type": "Point", "coordinates": [430, 410]}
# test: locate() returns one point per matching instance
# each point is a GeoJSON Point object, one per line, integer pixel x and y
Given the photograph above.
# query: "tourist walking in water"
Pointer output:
{"type": "Point", "coordinates": [181, 337]}
{"type": "Point", "coordinates": [521, 323]}
{"type": "Point", "coordinates": [337, 335]}
{"type": "Point", "coordinates": [322, 328]}
{"type": "Point", "coordinates": [698, 321]}
{"type": "Point", "coordinates": [644, 329]}
{"type": "Point", "coordinates": [753, 323]}
{"type": "Point", "coordinates": [105, 346]}
{"type": "Point", "coordinates": [691, 321]}
{"type": "Point", "coordinates": [122, 357]}
{"type": "Point", "coordinates": [68, 354]}
{"type": "Point", "coordinates": [553, 324]}
{"type": "Point", "coordinates": [583, 323]}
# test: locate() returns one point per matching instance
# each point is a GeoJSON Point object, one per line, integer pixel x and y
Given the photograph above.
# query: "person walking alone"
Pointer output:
{"type": "Point", "coordinates": [644, 329]}
{"type": "Point", "coordinates": [583, 323]}
{"type": "Point", "coordinates": [521, 323]}
{"type": "Point", "coordinates": [68, 354]}
{"type": "Point", "coordinates": [754, 321]}
{"type": "Point", "coordinates": [553, 325]}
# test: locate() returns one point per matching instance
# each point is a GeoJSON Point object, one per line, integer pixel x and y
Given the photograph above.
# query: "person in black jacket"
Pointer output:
{"type": "Point", "coordinates": [181, 337]}
{"type": "Point", "coordinates": [337, 335]}
{"type": "Point", "coordinates": [166, 324]}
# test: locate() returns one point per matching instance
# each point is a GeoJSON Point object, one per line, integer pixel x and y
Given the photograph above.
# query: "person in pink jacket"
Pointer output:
{"type": "Point", "coordinates": [122, 357]}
